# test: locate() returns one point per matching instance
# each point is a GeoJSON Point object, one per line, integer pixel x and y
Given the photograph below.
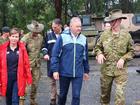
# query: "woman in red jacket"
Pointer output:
{"type": "Point", "coordinates": [15, 71]}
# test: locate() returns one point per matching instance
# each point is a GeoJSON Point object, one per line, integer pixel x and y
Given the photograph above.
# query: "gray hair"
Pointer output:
{"type": "Point", "coordinates": [75, 19]}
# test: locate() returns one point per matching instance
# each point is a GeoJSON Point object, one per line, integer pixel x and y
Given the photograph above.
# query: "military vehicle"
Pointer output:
{"type": "Point", "coordinates": [93, 26]}
{"type": "Point", "coordinates": [132, 24]}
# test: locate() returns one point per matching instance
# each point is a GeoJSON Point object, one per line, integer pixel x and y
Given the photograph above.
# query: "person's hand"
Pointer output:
{"type": "Point", "coordinates": [93, 52]}
{"type": "Point", "coordinates": [30, 68]}
{"type": "Point", "coordinates": [100, 58]}
{"type": "Point", "coordinates": [120, 64]}
{"type": "Point", "coordinates": [56, 75]}
{"type": "Point", "coordinates": [47, 57]}
{"type": "Point", "coordinates": [86, 76]}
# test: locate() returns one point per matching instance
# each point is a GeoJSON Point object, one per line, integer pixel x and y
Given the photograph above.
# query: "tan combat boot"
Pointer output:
{"type": "Point", "coordinates": [53, 102]}
{"type": "Point", "coordinates": [21, 100]}
{"type": "Point", "coordinates": [33, 102]}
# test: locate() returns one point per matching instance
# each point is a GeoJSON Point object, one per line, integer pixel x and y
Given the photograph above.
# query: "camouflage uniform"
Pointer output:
{"type": "Point", "coordinates": [34, 45]}
{"type": "Point", "coordinates": [114, 47]}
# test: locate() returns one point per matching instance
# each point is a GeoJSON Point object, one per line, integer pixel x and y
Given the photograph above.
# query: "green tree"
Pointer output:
{"type": "Point", "coordinates": [137, 6]}
{"type": "Point", "coordinates": [3, 12]}
{"type": "Point", "coordinates": [21, 12]}
{"type": "Point", "coordinates": [126, 5]}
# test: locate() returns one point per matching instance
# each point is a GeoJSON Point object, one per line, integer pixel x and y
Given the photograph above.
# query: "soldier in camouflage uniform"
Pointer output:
{"type": "Point", "coordinates": [33, 42]}
{"type": "Point", "coordinates": [114, 48]}
{"type": "Point", "coordinates": [5, 34]}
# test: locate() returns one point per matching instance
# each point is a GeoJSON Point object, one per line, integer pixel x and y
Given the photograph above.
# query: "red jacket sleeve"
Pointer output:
{"type": "Point", "coordinates": [27, 67]}
{"type": "Point", "coordinates": [0, 70]}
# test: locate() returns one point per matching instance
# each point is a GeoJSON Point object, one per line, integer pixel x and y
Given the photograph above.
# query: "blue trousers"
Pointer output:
{"type": "Point", "coordinates": [12, 97]}
{"type": "Point", "coordinates": [64, 87]}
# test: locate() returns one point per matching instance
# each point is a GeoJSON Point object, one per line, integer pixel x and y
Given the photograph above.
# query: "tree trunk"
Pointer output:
{"type": "Point", "coordinates": [88, 6]}
{"type": "Point", "coordinates": [58, 8]}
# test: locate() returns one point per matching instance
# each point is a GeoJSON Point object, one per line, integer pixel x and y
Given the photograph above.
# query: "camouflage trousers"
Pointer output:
{"type": "Point", "coordinates": [106, 85]}
{"type": "Point", "coordinates": [36, 74]}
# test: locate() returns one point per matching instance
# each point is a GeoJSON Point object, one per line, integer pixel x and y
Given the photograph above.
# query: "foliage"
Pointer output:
{"type": "Point", "coordinates": [137, 6]}
{"type": "Point", "coordinates": [19, 13]}
{"type": "Point", "coordinates": [75, 6]}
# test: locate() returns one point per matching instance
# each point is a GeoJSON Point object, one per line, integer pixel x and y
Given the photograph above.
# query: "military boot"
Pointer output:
{"type": "Point", "coordinates": [53, 102]}
{"type": "Point", "coordinates": [33, 102]}
{"type": "Point", "coordinates": [21, 100]}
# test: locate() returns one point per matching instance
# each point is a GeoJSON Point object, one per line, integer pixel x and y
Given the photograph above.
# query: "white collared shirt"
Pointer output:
{"type": "Point", "coordinates": [74, 37]}
{"type": "Point", "coordinates": [57, 35]}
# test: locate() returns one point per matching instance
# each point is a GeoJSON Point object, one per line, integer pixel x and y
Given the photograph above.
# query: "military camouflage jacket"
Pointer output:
{"type": "Point", "coordinates": [33, 45]}
{"type": "Point", "coordinates": [114, 47]}
{"type": "Point", "coordinates": [3, 40]}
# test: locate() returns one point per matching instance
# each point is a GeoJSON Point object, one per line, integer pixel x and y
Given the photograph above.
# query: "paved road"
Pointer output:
{"type": "Point", "coordinates": [91, 89]}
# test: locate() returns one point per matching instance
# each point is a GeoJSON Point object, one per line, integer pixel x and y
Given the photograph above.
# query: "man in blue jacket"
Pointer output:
{"type": "Point", "coordinates": [50, 40]}
{"type": "Point", "coordinates": [69, 61]}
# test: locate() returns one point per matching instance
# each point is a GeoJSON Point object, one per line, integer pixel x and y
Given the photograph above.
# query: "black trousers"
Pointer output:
{"type": "Point", "coordinates": [12, 97]}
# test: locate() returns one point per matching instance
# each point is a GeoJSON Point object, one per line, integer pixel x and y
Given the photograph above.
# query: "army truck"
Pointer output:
{"type": "Point", "coordinates": [93, 26]}
{"type": "Point", "coordinates": [132, 24]}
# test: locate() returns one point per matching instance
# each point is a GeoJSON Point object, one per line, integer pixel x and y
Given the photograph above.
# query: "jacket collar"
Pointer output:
{"type": "Point", "coordinates": [6, 44]}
